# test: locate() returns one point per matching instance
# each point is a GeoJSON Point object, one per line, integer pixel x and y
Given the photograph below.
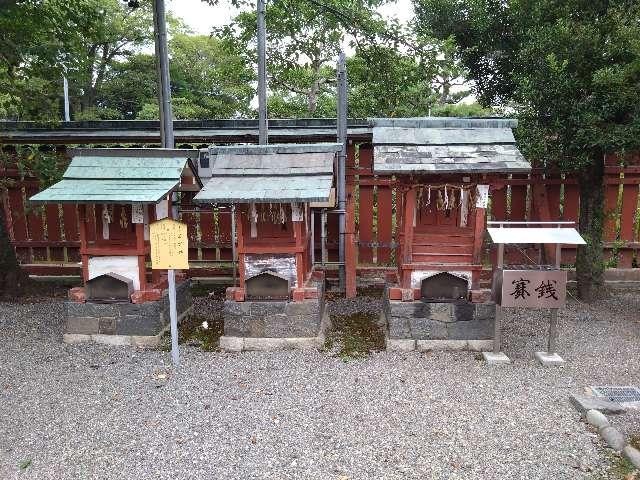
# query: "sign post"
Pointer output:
{"type": "Point", "coordinates": [169, 251]}
{"type": "Point", "coordinates": [532, 286]}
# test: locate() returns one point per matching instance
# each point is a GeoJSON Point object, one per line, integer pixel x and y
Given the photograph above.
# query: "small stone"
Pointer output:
{"type": "Point", "coordinates": [584, 403]}
{"type": "Point", "coordinates": [496, 358]}
{"type": "Point", "coordinates": [632, 454]}
{"type": "Point", "coordinates": [613, 437]}
{"type": "Point", "coordinates": [596, 419]}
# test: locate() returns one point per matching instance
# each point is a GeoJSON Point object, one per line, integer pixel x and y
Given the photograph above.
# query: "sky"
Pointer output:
{"type": "Point", "coordinates": [202, 17]}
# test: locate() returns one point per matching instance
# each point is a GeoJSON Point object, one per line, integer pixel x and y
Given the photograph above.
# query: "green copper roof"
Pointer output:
{"type": "Point", "coordinates": [119, 176]}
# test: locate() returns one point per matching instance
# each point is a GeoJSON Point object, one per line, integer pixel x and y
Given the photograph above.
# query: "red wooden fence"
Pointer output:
{"type": "Point", "coordinates": [46, 238]}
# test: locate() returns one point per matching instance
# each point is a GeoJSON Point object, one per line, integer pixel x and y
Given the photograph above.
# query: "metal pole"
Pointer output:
{"type": "Point", "coordinates": [167, 140]}
{"type": "Point", "coordinates": [65, 87]}
{"type": "Point", "coordinates": [497, 324]}
{"type": "Point", "coordinates": [342, 160]}
{"type": "Point", "coordinates": [323, 237]}
{"type": "Point", "coordinates": [553, 321]}
{"type": "Point", "coordinates": [263, 137]}
{"type": "Point", "coordinates": [233, 241]}
{"type": "Point", "coordinates": [162, 55]}
{"type": "Point", "coordinates": [313, 237]}
{"type": "Point", "coordinates": [173, 313]}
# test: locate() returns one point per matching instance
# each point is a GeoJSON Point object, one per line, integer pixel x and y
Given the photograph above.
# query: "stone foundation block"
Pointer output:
{"type": "Point", "coordinates": [298, 295]}
{"type": "Point", "coordinates": [407, 295]}
{"type": "Point", "coordinates": [398, 345]}
{"type": "Point", "coordinates": [395, 293]}
{"type": "Point", "coordinates": [427, 345]}
{"type": "Point", "coordinates": [138, 324]}
{"type": "Point", "coordinates": [142, 296]}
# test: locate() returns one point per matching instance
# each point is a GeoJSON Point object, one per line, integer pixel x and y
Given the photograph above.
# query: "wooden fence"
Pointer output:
{"type": "Point", "coordinates": [46, 238]}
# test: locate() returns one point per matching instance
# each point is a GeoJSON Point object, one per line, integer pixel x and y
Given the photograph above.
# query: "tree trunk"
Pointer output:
{"type": "Point", "coordinates": [13, 279]}
{"type": "Point", "coordinates": [590, 260]}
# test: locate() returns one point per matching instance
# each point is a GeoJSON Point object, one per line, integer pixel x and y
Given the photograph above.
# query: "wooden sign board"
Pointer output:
{"type": "Point", "coordinates": [169, 245]}
{"type": "Point", "coordinates": [530, 288]}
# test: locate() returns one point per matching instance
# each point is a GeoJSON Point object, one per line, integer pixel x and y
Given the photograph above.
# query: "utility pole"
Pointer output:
{"type": "Point", "coordinates": [65, 87]}
{"type": "Point", "coordinates": [342, 160]}
{"type": "Point", "coordinates": [167, 139]}
{"type": "Point", "coordinates": [263, 137]}
{"type": "Point", "coordinates": [164, 81]}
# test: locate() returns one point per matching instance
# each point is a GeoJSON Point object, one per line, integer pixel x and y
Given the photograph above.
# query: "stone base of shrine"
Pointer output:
{"type": "Point", "coordinates": [423, 325]}
{"type": "Point", "coordinates": [274, 325]}
{"type": "Point", "coordinates": [124, 324]}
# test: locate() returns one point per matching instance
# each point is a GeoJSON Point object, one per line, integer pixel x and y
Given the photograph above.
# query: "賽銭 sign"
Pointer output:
{"type": "Point", "coordinates": [169, 245]}
{"type": "Point", "coordinates": [531, 288]}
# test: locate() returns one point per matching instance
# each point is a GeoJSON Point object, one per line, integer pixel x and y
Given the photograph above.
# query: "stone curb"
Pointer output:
{"type": "Point", "coordinates": [612, 436]}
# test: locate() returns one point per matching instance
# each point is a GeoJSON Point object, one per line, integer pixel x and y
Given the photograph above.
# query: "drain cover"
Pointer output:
{"type": "Point", "coordinates": [618, 394]}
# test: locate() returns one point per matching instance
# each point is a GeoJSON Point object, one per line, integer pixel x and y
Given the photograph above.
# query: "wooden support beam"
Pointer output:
{"type": "Point", "coordinates": [142, 251]}
{"type": "Point", "coordinates": [409, 212]}
{"type": "Point", "coordinates": [82, 221]}
{"type": "Point", "coordinates": [240, 247]}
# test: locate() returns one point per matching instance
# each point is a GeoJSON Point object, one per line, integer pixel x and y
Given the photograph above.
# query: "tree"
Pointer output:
{"type": "Point", "coordinates": [571, 70]}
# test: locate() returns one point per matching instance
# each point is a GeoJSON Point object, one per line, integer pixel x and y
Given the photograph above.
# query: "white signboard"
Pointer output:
{"type": "Point", "coordinates": [482, 201]}
{"type": "Point", "coordinates": [137, 213]}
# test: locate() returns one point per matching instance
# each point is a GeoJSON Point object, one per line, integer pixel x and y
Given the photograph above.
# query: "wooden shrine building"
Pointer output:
{"type": "Point", "coordinates": [271, 188]}
{"type": "Point", "coordinates": [444, 168]}
{"type": "Point", "coordinates": [118, 193]}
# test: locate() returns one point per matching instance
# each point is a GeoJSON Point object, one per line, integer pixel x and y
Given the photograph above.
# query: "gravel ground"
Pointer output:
{"type": "Point", "coordinates": [89, 411]}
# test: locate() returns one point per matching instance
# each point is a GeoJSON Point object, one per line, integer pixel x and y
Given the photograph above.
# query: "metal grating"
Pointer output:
{"type": "Point", "coordinates": [618, 394]}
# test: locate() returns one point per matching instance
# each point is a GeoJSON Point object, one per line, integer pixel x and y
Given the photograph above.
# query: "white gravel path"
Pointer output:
{"type": "Point", "coordinates": [84, 412]}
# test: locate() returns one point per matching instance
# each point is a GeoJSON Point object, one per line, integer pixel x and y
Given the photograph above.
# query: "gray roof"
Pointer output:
{"type": "Point", "coordinates": [446, 145]}
{"type": "Point", "coordinates": [270, 173]}
{"type": "Point", "coordinates": [122, 175]}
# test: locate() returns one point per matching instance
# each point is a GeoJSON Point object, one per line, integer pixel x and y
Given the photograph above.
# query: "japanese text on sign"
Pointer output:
{"type": "Point", "coordinates": [533, 288]}
{"type": "Point", "coordinates": [169, 245]}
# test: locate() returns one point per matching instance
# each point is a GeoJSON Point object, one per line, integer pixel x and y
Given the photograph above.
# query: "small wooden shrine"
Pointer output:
{"type": "Point", "coordinates": [119, 192]}
{"type": "Point", "coordinates": [444, 168]}
{"type": "Point", "coordinates": [271, 187]}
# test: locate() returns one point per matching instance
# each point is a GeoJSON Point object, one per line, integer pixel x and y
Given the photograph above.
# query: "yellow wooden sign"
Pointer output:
{"type": "Point", "coordinates": [169, 245]}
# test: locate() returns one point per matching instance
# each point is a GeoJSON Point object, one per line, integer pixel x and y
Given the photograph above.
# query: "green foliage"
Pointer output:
{"type": "Point", "coordinates": [571, 71]}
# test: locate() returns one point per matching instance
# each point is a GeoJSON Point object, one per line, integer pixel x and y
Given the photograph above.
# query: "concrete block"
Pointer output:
{"type": "Point", "coordinates": [397, 345]}
{"type": "Point", "coordinates": [480, 345]}
{"type": "Point", "coordinates": [632, 454]}
{"type": "Point", "coordinates": [231, 344]}
{"type": "Point", "coordinates": [261, 309]}
{"type": "Point", "coordinates": [237, 308]}
{"type": "Point", "coordinates": [426, 345]}
{"type": "Point", "coordinates": [485, 311]}
{"type": "Point", "coordinates": [263, 344]}
{"type": "Point", "coordinates": [463, 312]}
{"type": "Point", "coordinates": [409, 309]}
{"type": "Point", "coordinates": [303, 343]}
{"type": "Point", "coordinates": [407, 295]}
{"type": "Point", "coordinates": [140, 325]}
{"type": "Point", "coordinates": [496, 358]}
{"type": "Point", "coordinates": [112, 340]}
{"type": "Point", "coordinates": [82, 325]}
{"type": "Point", "coordinates": [398, 327]}
{"type": "Point", "coordinates": [308, 307]}
{"type": "Point", "coordinates": [72, 338]}
{"type": "Point", "coordinates": [145, 341]}
{"type": "Point", "coordinates": [442, 312]}
{"type": "Point", "coordinates": [107, 325]}
{"type": "Point", "coordinates": [596, 419]}
{"type": "Point", "coordinates": [472, 330]}
{"type": "Point", "coordinates": [584, 403]}
{"type": "Point", "coordinates": [427, 329]}
{"type": "Point", "coordinates": [547, 359]}
{"type": "Point", "coordinates": [613, 437]}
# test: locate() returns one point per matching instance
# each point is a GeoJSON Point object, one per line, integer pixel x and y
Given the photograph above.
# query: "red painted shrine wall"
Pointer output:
{"type": "Point", "coordinates": [46, 238]}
